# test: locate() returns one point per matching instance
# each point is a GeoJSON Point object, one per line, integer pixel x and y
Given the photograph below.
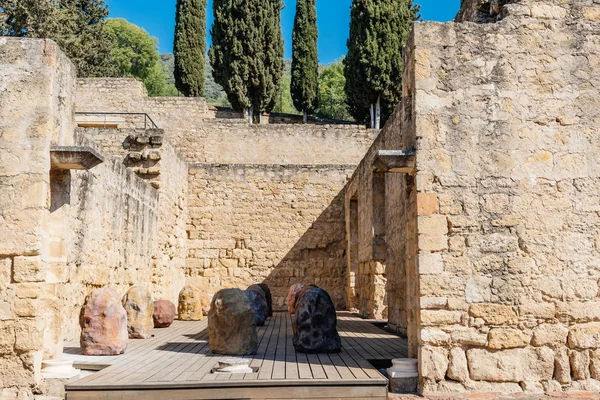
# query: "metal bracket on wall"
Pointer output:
{"type": "Point", "coordinates": [395, 161]}
{"type": "Point", "coordinates": [73, 157]}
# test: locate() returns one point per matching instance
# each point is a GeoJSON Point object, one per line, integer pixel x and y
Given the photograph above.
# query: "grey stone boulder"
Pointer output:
{"type": "Point", "coordinates": [232, 324]}
{"type": "Point", "coordinates": [258, 302]}
{"type": "Point", "coordinates": [140, 309]}
{"type": "Point", "coordinates": [103, 322]}
{"type": "Point", "coordinates": [269, 297]}
{"type": "Point", "coordinates": [316, 324]}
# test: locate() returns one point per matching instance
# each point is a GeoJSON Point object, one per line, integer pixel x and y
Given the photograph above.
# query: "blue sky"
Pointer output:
{"type": "Point", "coordinates": [333, 16]}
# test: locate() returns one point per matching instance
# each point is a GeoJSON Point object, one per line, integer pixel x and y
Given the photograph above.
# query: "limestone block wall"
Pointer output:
{"type": "Point", "coordinates": [199, 137]}
{"type": "Point", "coordinates": [237, 142]}
{"type": "Point", "coordinates": [227, 146]}
{"type": "Point", "coordinates": [169, 258]}
{"type": "Point", "coordinates": [283, 224]}
{"type": "Point", "coordinates": [181, 115]}
{"type": "Point", "coordinates": [36, 95]}
{"type": "Point", "coordinates": [107, 227]}
{"type": "Point", "coordinates": [506, 119]}
{"type": "Point", "coordinates": [167, 244]}
{"type": "Point", "coordinates": [67, 232]}
{"type": "Point", "coordinates": [384, 227]}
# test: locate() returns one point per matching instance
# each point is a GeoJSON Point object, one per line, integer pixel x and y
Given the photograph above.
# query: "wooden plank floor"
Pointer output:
{"type": "Point", "coordinates": [176, 363]}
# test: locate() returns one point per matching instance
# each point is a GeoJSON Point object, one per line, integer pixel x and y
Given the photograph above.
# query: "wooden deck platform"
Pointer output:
{"type": "Point", "coordinates": [176, 364]}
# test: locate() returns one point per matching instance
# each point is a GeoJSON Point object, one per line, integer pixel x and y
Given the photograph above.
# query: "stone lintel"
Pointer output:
{"type": "Point", "coordinates": [74, 157]}
{"type": "Point", "coordinates": [395, 161]}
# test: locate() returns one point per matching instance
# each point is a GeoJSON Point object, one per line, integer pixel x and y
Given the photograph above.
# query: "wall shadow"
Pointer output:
{"type": "Point", "coordinates": [318, 257]}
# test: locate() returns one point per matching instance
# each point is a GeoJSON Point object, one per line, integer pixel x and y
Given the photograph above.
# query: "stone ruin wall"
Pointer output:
{"type": "Point", "coordinates": [160, 236]}
{"type": "Point", "coordinates": [492, 247]}
{"type": "Point", "coordinates": [200, 137]}
{"type": "Point", "coordinates": [506, 119]}
{"type": "Point", "coordinates": [184, 115]}
{"type": "Point", "coordinates": [283, 224]}
{"type": "Point", "coordinates": [35, 73]}
{"type": "Point", "coordinates": [237, 142]}
{"type": "Point", "coordinates": [65, 233]}
{"type": "Point", "coordinates": [106, 222]}
{"type": "Point", "coordinates": [381, 211]}
{"type": "Point", "coordinates": [265, 201]}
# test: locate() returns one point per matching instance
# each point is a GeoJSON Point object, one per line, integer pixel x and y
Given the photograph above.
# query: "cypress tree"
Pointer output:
{"type": "Point", "coordinates": [273, 63]}
{"type": "Point", "coordinates": [190, 47]}
{"type": "Point", "coordinates": [247, 53]}
{"type": "Point", "coordinates": [233, 33]}
{"type": "Point", "coordinates": [305, 59]}
{"type": "Point", "coordinates": [373, 66]}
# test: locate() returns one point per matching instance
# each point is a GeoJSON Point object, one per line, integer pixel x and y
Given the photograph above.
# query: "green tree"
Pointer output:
{"type": "Point", "coordinates": [332, 96]}
{"type": "Point", "coordinates": [168, 61]}
{"type": "Point", "coordinates": [274, 63]}
{"type": "Point", "coordinates": [28, 18]}
{"type": "Point", "coordinates": [305, 59]}
{"type": "Point", "coordinates": [284, 103]}
{"type": "Point", "coordinates": [190, 47]}
{"type": "Point", "coordinates": [213, 92]}
{"type": "Point", "coordinates": [247, 53]}
{"type": "Point", "coordinates": [134, 54]}
{"type": "Point", "coordinates": [232, 32]}
{"type": "Point", "coordinates": [373, 66]}
{"type": "Point", "coordinates": [76, 25]}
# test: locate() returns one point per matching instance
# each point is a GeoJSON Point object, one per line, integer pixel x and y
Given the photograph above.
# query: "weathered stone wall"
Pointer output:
{"type": "Point", "coordinates": [506, 116]}
{"type": "Point", "coordinates": [237, 142]}
{"type": "Point", "coordinates": [200, 138]}
{"type": "Point", "coordinates": [220, 150]}
{"type": "Point", "coordinates": [385, 228]}
{"type": "Point", "coordinates": [180, 115]}
{"type": "Point", "coordinates": [36, 95]}
{"type": "Point", "coordinates": [169, 259]}
{"type": "Point", "coordinates": [106, 223]}
{"type": "Point", "coordinates": [483, 11]}
{"type": "Point", "coordinates": [67, 232]}
{"type": "Point", "coordinates": [280, 223]}
{"type": "Point", "coordinates": [166, 245]}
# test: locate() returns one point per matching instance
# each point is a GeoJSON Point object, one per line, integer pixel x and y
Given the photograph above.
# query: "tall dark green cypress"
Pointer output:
{"type": "Point", "coordinates": [247, 53]}
{"type": "Point", "coordinates": [305, 58]}
{"type": "Point", "coordinates": [190, 47]}
{"type": "Point", "coordinates": [233, 34]}
{"type": "Point", "coordinates": [373, 66]}
{"type": "Point", "coordinates": [273, 62]}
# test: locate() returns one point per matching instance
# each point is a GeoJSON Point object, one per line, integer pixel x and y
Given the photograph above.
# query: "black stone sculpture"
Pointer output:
{"type": "Point", "coordinates": [316, 323]}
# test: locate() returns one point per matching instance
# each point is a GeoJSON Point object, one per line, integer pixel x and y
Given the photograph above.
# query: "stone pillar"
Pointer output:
{"type": "Point", "coordinates": [353, 279]}
{"type": "Point", "coordinates": [377, 302]}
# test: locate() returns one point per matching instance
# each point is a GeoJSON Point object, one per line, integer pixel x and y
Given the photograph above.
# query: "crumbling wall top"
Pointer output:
{"type": "Point", "coordinates": [486, 11]}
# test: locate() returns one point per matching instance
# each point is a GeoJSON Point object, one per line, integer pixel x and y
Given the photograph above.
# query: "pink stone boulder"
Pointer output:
{"type": "Point", "coordinates": [291, 297]}
{"type": "Point", "coordinates": [103, 322]}
{"type": "Point", "coordinates": [164, 313]}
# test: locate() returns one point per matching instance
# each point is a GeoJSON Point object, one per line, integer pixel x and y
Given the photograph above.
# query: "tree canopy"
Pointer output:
{"type": "Point", "coordinates": [76, 25]}
{"type": "Point", "coordinates": [190, 46]}
{"type": "Point", "coordinates": [135, 54]}
{"type": "Point", "coordinates": [305, 59]}
{"type": "Point", "coordinates": [373, 66]}
{"type": "Point", "coordinates": [332, 97]}
{"type": "Point", "coordinates": [247, 52]}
